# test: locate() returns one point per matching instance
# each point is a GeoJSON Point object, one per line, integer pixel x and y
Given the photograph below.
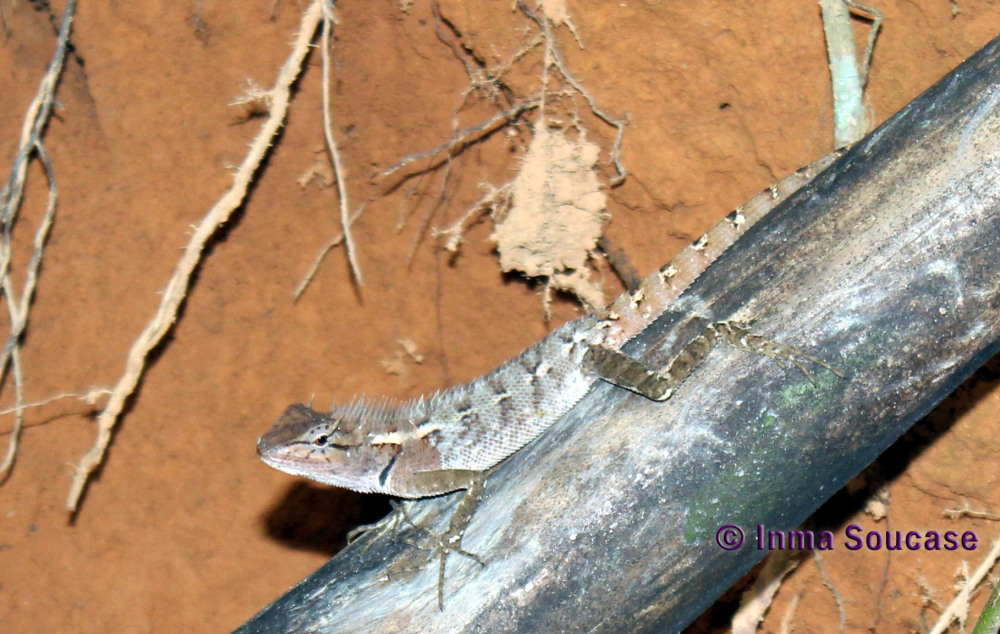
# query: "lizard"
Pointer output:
{"type": "Point", "coordinates": [449, 441]}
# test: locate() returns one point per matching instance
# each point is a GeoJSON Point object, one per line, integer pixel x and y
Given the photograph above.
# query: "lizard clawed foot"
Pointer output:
{"type": "Point", "coordinates": [739, 335]}
{"type": "Point", "coordinates": [616, 367]}
{"type": "Point", "coordinates": [442, 544]}
{"type": "Point", "coordinates": [450, 541]}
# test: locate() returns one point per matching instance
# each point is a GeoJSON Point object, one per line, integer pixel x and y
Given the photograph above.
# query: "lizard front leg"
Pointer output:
{"type": "Point", "coordinates": [451, 540]}
{"type": "Point", "coordinates": [622, 370]}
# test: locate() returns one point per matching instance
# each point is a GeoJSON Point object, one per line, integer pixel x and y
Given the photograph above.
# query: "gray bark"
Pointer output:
{"type": "Point", "coordinates": [886, 266]}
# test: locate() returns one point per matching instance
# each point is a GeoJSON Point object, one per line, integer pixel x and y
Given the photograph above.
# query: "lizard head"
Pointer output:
{"type": "Point", "coordinates": [330, 448]}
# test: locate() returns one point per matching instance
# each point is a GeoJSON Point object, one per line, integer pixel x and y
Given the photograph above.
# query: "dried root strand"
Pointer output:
{"type": "Point", "coordinates": [176, 288]}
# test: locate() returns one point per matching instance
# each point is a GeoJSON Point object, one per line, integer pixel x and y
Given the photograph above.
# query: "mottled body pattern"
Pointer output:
{"type": "Point", "coordinates": [445, 442]}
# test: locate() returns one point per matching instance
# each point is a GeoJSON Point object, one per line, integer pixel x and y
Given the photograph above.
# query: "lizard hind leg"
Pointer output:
{"type": "Point", "coordinates": [622, 370]}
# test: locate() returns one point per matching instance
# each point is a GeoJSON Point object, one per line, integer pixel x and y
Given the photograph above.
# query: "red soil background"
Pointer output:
{"type": "Point", "coordinates": [184, 529]}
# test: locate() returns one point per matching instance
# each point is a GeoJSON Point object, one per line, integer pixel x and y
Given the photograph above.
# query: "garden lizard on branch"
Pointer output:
{"type": "Point", "coordinates": [449, 441]}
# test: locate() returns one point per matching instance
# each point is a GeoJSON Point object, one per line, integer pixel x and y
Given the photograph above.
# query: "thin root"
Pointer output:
{"type": "Point", "coordinates": [176, 288]}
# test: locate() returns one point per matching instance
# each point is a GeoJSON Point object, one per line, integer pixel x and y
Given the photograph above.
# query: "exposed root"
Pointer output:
{"type": "Point", "coordinates": [837, 597]}
{"type": "Point", "coordinates": [958, 609]}
{"type": "Point", "coordinates": [496, 201]}
{"type": "Point", "coordinates": [755, 602]}
{"type": "Point", "coordinates": [556, 176]}
{"type": "Point", "coordinates": [462, 139]}
{"type": "Point", "coordinates": [18, 306]}
{"type": "Point", "coordinates": [331, 145]}
{"type": "Point", "coordinates": [334, 241]}
{"type": "Point", "coordinates": [176, 288]}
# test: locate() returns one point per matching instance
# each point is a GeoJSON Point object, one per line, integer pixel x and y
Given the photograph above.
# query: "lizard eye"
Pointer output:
{"type": "Point", "coordinates": [321, 440]}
